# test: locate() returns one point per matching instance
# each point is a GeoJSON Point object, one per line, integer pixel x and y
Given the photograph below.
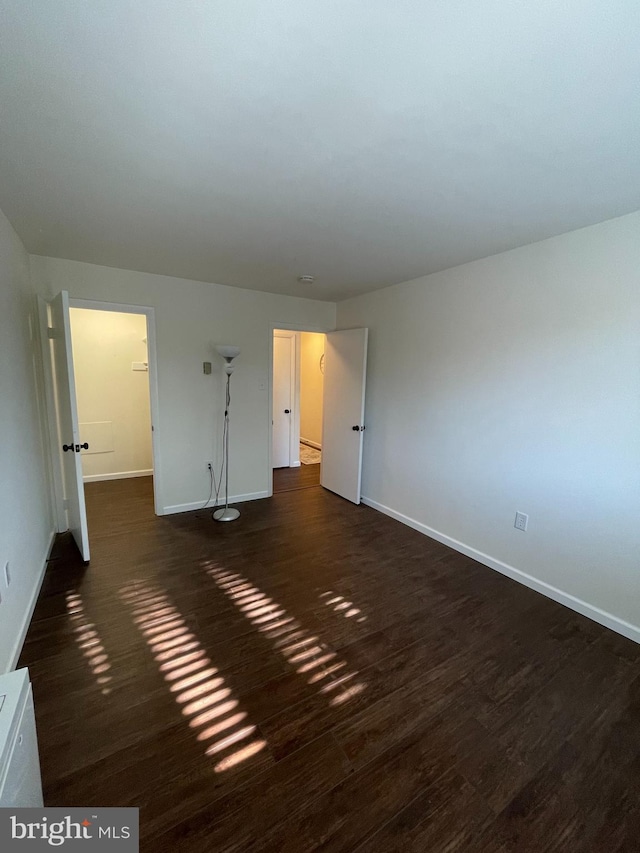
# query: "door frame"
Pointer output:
{"type": "Point", "coordinates": [285, 327]}
{"type": "Point", "coordinates": [149, 313]}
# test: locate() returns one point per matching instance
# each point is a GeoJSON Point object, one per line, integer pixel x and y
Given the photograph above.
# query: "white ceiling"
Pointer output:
{"type": "Point", "coordinates": [364, 142]}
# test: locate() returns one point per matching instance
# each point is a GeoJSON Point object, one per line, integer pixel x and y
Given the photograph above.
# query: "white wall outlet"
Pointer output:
{"type": "Point", "coordinates": [209, 465]}
{"type": "Point", "coordinates": [7, 573]}
{"type": "Point", "coordinates": [522, 520]}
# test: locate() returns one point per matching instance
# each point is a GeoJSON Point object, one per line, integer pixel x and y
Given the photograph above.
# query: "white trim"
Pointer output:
{"type": "Point", "coordinates": [119, 475]}
{"type": "Point", "coordinates": [294, 455]}
{"type": "Point", "coordinates": [233, 499]}
{"type": "Point", "coordinates": [300, 327]}
{"type": "Point", "coordinates": [154, 401]}
{"type": "Point", "coordinates": [17, 649]}
{"type": "Point", "coordinates": [310, 443]}
{"type": "Point", "coordinates": [616, 624]}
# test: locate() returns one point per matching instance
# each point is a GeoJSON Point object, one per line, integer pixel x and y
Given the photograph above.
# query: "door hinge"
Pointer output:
{"type": "Point", "coordinates": [51, 333]}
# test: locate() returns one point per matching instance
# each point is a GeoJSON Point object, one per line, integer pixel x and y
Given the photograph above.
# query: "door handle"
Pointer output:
{"type": "Point", "coordinates": [357, 428]}
{"type": "Point", "coordinates": [287, 411]}
{"type": "Point", "coordinates": [66, 447]}
{"type": "Point", "coordinates": [80, 447]}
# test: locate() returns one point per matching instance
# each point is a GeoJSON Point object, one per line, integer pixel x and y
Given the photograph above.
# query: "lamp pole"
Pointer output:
{"type": "Point", "coordinates": [227, 513]}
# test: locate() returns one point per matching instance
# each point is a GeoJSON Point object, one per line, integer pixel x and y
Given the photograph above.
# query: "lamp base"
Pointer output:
{"type": "Point", "coordinates": [226, 514]}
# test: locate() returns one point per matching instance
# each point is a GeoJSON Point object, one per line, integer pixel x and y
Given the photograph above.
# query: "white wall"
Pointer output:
{"type": "Point", "coordinates": [513, 383]}
{"type": "Point", "coordinates": [26, 520]}
{"type": "Point", "coordinates": [113, 399]}
{"type": "Point", "coordinates": [191, 318]}
{"type": "Point", "coordinates": [311, 387]}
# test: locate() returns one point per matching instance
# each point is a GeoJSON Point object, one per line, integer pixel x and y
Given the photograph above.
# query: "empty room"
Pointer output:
{"type": "Point", "coordinates": [320, 426]}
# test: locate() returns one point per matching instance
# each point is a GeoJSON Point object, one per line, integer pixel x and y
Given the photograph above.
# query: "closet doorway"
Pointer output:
{"type": "Point", "coordinates": [111, 367]}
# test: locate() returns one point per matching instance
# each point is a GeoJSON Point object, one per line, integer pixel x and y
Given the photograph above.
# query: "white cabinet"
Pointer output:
{"type": "Point", "coordinates": [20, 783]}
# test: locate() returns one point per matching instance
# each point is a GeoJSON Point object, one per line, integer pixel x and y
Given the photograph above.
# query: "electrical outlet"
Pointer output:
{"type": "Point", "coordinates": [209, 466]}
{"type": "Point", "coordinates": [7, 573]}
{"type": "Point", "coordinates": [521, 522]}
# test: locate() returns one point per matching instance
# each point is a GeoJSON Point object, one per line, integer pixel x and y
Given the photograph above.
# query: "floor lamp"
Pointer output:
{"type": "Point", "coordinates": [227, 513]}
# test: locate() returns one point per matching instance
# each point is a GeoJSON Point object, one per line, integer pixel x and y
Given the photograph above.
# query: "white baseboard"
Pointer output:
{"type": "Point", "coordinates": [311, 443]}
{"type": "Point", "coordinates": [233, 499]}
{"type": "Point", "coordinates": [17, 649]}
{"type": "Point", "coordinates": [119, 475]}
{"type": "Point", "coordinates": [295, 464]}
{"type": "Point", "coordinates": [616, 624]}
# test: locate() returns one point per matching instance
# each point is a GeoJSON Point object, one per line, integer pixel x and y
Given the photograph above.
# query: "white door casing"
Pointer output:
{"type": "Point", "coordinates": [345, 370]}
{"type": "Point", "coordinates": [67, 420]}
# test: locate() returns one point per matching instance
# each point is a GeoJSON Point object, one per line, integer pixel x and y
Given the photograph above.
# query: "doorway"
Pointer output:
{"type": "Point", "coordinates": [69, 468]}
{"type": "Point", "coordinates": [297, 408]}
{"type": "Point", "coordinates": [111, 369]}
{"type": "Point", "coordinates": [110, 351]}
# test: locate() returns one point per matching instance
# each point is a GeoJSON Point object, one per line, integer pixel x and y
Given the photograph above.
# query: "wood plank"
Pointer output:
{"type": "Point", "coordinates": [487, 718]}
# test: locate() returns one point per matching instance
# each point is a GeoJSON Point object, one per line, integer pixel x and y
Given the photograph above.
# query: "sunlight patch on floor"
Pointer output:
{"type": "Point", "coordinates": [342, 606]}
{"type": "Point", "coordinates": [89, 641]}
{"type": "Point", "coordinates": [304, 651]}
{"type": "Point", "coordinates": [196, 684]}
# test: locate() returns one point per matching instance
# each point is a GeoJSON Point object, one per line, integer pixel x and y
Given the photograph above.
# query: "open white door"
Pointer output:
{"type": "Point", "coordinates": [345, 373]}
{"type": "Point", "coordinates": [283, 353]}
{"type": "Point", "coordinates": [67, 415]}
{"type": "Point", "coordinates": [55, 468]}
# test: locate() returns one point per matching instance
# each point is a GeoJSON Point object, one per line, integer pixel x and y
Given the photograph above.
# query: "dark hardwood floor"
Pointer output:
{"type": "Point", "coordinates": [316, 676]}
{"type": "Point", "coordinates": [292, 479]}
